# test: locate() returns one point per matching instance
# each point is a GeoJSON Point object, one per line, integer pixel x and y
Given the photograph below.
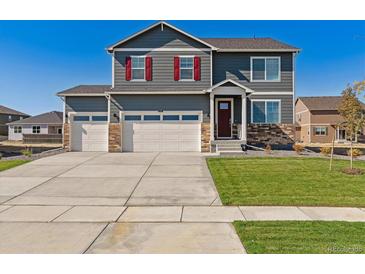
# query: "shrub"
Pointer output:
{"type": "Point", "coordinates": [26, 152]}
{"type": "Point", "coordinates": [1, 156]}
{"type": "Point", "coordinates": [326, 151]}
{"type": "Point", "coordinates": [355, 152]}
{"type": "Point", "coordinates": [298, 148]}
{"type": "Point", "coordinates": [268, 149]}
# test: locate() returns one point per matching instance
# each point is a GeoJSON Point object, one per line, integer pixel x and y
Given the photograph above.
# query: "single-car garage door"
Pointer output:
{"type": "Point", "coordinates": [161, 132]}
{"type": "Point", "coordinates": [89, 133]}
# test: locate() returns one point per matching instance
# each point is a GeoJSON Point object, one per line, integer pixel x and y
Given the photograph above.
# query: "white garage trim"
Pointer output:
{"type": "Point", "coordinates": [144, 134]}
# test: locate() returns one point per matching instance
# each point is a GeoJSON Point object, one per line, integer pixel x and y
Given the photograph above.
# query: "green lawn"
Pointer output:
{"type": "Point", "coordinates": [11, 163]}
{"type": "Point", "coordinates": [301, 237]}
{"type": "Point", "coordinates": [286, 181]}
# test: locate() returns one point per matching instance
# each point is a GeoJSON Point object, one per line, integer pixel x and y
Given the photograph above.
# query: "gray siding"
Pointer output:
{"type": "Point", "coordinates": [286, 107]}
{"type": "Point", "coordinates": [158, 102]}
{"type": "Point", "coordinates": [162, 72]}
{"type": "Point", "coordinates": [86, 104]}
{"type": "Point", "coordinates": [237, 66]}
{"type": "Point", "coordinates": [162, 38]}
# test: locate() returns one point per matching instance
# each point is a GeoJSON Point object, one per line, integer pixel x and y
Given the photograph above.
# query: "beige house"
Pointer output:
{"type": "Point", "coordinates": [318, 120]}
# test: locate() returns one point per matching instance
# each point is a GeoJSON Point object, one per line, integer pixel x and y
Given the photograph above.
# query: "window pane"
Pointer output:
{"type": "Point", "coordinates": [258, 69]}
{"type": "Point", "coordinates": [99, 118]}
{"type": "Point", "coordinates": [138, 74]}
{"type": "Point", "coordinates": [272, 112]}
{"type": "Point", "coordinates": [186, 62]}
{"type": "Point", "coordinates": [223, 105]}
{"type": "Point", "coordinates": [258, 112]}
{"type": "Point", "coordinates": [272, 69]}
{"type": "Point", "coordinates": [132, 117]}
{"type": "Point", "coordinates": [190, 117]}
{"type": "Point", "coordinates": [138, 62]}
{"type": "Point", "coordinates": [152, 117]}
{"type": "Point", "coordinates": [186, 74]}
{"type": "Point", "coordinates": [81, 118]}
{"type": "Point", "coordinates": [171, 117]}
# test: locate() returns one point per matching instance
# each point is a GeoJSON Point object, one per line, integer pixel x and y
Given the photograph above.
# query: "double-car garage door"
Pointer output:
{"type": "Point", "coordinates": [141, 132]}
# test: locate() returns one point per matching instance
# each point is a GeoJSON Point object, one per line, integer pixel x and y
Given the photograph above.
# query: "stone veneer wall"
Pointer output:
{"type": "Point", "coordinates": [66, 137]}
{"type": "Point", "coordinates": [273, 134]}
{"type": "Point", "coordinates": [205, 137]}
{"type": "Point", "coordinates": [115, 139]}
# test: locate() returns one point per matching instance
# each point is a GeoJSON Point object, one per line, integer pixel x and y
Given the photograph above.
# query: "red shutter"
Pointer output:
{"type": "Point", "coordinates": [148, 67]}
{"type": "Point", "coordinates": [128, 68]}
{"type": "Point", "coordinates": [176, 68]}
{"type": "Point", "coordinates": [197, 68]}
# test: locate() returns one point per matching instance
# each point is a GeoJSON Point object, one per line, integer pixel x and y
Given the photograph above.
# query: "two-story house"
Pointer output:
{"type": "Point", "coordinates": [172, 91]}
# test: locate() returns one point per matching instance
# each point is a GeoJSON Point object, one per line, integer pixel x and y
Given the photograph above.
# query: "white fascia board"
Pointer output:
{"type": "Point", "coordinates": [155, 92]}
{"type": "Point", "coordinates": [272, 93]}
{"type": "Point", "coordinates": [258, 50]}
{"type": "Point", "coordinates": [75, 94]}
{"type": "Point", "coordinates": [163, 49]}
{"type": "Point", "coordinates": [248, 90]}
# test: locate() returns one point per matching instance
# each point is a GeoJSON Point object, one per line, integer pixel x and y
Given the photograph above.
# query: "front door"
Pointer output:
{"type": "Point", "coordinates": [224, 119]}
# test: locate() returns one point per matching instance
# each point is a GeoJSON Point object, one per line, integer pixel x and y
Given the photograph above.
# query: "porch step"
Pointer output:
{"type": "Point", "coordinates": [229, 146]}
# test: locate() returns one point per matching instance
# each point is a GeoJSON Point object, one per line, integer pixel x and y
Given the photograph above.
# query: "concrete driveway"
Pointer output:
{"type": "Point", "coordinates": [113, 203]}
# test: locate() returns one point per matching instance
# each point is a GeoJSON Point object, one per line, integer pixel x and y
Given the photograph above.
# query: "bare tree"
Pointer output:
{"type": "Point", "coordinates": [351, 111]}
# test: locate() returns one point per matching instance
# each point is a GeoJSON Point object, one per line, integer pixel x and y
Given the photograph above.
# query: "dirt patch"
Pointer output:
{"type": "Point", "coordinates": [354, 171]}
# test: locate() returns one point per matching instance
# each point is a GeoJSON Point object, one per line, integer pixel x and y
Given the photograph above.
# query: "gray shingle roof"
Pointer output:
{"type": "Point", "coordinates": [85, 89]}
{"type": "Point", "coordinates": [249, 44]}
{"type": "Point", "coordinates": [53, 117]}
{"type": "Point", "coordinates": [322, 102]}
{"type": "Point", "coordinates": [6, 110]}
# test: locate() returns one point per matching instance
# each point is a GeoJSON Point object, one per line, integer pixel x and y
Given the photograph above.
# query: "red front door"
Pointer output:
{"type": "Point", "coordinates": [224, 119]}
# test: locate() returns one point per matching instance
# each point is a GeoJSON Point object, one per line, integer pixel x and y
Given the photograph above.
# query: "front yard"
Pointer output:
{"type": "Point", "coordinates": [301, 237]}
{"type": "Point", "coordinates": [286, 181]}
{"type": "Point", "coordinates": [4, 165]}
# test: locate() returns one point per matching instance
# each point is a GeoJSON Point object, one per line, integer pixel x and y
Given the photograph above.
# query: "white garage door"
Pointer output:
{"type": "Point", "coordinates": [89, 136]}
{"type": "Point", "coordinates": [144, 135]}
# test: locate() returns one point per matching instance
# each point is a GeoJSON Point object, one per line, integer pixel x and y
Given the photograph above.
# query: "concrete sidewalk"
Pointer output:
{"type": "Point", "coordinates": [174, 214]}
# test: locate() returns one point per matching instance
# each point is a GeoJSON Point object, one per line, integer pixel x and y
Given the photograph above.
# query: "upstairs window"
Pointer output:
{"type": "Point", "coordinates": [265, 69]}
{"type": "Point", "coordinates": [265, 111]}
{"type": "Point", "coordinates": [186, 68]}
{"type": "Point", "coordinates": [36, 129]}
{"type": "Point", "coordinates": [138, 68]}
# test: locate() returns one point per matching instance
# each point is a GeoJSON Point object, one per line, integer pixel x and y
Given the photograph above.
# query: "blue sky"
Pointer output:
{"type": "Point", "coordinates": [40, 58]}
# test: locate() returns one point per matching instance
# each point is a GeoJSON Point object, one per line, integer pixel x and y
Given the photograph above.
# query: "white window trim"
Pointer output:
{"type": "Point", "coordinates": [265, 57]}
{"type": "Point", "coordinates": [21, 129]}
{"type": "Point", "coordinates": [161, 114]}
{"type": "Point", "coordinates": [265, 100]}
{"type": "Point", "coordinates": [192, 74]}
{"type": "Point", "coordinates": [73, 114]}
{"type": "Point", "coordinates": [320, 135]}
{"type": "Point", "coordinates": [40, 128]}
{"type": "Point", "coordinates": [144, 68]}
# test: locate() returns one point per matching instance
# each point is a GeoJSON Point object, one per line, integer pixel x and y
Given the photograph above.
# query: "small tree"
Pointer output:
{"type": "Point", "coordinates": [351, 111]}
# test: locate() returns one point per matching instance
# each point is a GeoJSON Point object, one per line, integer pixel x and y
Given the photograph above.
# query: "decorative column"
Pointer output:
{"type": "Point", "coordinates": [244, 118]}
{"type": "Point", "coordinates": [212, 113]}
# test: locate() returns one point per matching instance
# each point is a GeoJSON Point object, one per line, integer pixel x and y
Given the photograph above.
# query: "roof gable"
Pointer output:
{"type": "Point", "coordinates": [160, 34]}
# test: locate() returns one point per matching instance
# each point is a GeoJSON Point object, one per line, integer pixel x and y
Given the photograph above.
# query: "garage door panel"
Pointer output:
{"type": "Point", "coordinates": [89, 137]}
{"type": "Point", "coordinates": [143, 136]}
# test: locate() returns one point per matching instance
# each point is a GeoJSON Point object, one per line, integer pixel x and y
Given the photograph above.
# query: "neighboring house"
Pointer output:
{"type": "Point", "coordinates": [8, 115]}
{"type": "Point", "coordinates": [318, 120]}
{"type": "Point", "coordinates": [42, 125]}
{"type": "Point", "coordinates": [172, 91]}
